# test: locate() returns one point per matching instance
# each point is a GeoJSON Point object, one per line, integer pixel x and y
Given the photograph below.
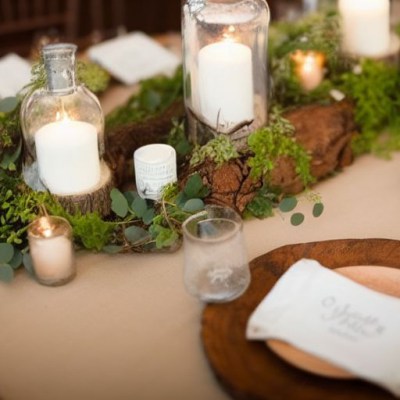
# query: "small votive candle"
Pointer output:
{"type": "Point", "coordinates": [155, 167]}
{"type": "Point", "coordinates": [309, 68]}
{"type": "Point", "coordinates": [51, 249]}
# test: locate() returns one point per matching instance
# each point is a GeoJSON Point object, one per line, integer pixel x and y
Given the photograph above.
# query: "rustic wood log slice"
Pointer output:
{"type": "Point", "coordinates": [98, 200]}
{"type": "Point", "coordinates": [249, 369]}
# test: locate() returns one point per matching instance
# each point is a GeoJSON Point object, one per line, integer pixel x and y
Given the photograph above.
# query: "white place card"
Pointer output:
{"type": "Point", "coordinates": [133, 57]}
{"type": "Point", "coordinates": [330, 316]}
{"type": "Point", "coordinates": [15, 73]}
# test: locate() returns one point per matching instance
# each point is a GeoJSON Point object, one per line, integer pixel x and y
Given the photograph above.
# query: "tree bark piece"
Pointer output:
{"type": "Point", "coordinates": [98, 200]}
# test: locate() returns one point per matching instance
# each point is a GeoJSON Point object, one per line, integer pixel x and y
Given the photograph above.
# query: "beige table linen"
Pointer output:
{"type": "Point", "coordinates": [126, 329]}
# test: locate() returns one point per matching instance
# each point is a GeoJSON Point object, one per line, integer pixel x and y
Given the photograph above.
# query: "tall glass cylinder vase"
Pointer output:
{"type": "Point", "coordinates": [225, 67]}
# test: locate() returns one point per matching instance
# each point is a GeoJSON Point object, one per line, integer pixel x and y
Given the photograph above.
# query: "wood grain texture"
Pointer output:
{"type": "Point", "coordinates": [248, 369]}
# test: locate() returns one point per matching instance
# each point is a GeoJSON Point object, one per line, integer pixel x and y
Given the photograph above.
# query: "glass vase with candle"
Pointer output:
{"type": "Point", "coordinates": [225, 67]}
{"type": "Point", "coordinates": [63, 127]}
{"type": "Point", "coordinates": [51, 250]}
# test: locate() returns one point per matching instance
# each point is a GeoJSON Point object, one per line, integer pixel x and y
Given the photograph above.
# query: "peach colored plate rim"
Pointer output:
{"type": "Point", "coordinates": [382, 279]}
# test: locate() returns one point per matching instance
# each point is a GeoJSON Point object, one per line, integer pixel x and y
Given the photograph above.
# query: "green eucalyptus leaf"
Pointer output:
{"type": "Point", "coordinates": [193, 186]}
{"type": "Point", "coordinates": [318, 209]}
{"type": "Point", "coordinates": [16, 261]}
{"type": "Point", "coordinates": [181, 199]}
{"type": "Point", "coordinates": [112, 249]}
{"type": "Point", "coordinates": [6, 253]}
{"type": "Point", "coordinates": [288, 204]}
{"type": "Point", "coordinates": [297, 219]}
{"type": "Point", "coordinates": [193, 205]}
{"type": "Point", "coordinates": [148, 216]}
{"type": "Point", "coordinates": [139, 206]}
{"type": "Point", "coordinates": [119, 204]}
{"type": "Point", "coordinates": [6, 273]}
{"type": "Point", "coordinates": [28, 263]}
{"type": "Point", "coordinates": [135, 234]}
{"type": "Point", "coordinates": [8, 104]}
{"type": "Point", "coordinates": [8, 160]}
{"type": "Point", "coordinates": [130, 196]}
{"type": "Point", "coordinates": [165, 237]}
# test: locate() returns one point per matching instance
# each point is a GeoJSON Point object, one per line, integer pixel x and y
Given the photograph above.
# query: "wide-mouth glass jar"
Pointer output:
{"type": "Point", "coordinates": [225, 67]}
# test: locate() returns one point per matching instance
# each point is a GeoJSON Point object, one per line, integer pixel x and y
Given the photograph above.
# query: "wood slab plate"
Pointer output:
{"type": "Point", "coordinates": [249, 369]}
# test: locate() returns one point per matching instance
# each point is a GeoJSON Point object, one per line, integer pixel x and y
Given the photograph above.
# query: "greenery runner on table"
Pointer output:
{"type": "Point", "coordinates": [142, 226]}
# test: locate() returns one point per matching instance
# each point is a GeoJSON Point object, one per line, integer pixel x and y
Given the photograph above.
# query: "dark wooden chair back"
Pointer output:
{"type": "Point", "coordinates": [20, 20]}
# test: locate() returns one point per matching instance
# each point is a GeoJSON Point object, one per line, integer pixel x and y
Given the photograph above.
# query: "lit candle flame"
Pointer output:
{"type": "Point", "coordinates": [309, 68]}
{"type": "Point", "coordinates": [45, 227]}
{"type": "Point", "coordinates": [228, 35]}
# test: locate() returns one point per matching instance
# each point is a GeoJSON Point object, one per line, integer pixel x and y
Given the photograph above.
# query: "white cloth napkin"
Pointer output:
{"type": "Point", "coordinates": [15, 73]}
{"type": "Point", "coordinates": [327, 315]}
{"type": "Point", "coordinates": [133, 57]}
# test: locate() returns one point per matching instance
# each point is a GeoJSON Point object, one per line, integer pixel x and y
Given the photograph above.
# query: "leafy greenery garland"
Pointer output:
{"type": "Point", "coordinates": [141, 225]}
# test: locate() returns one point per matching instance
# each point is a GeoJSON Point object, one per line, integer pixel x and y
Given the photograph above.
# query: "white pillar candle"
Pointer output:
{"type": "Point", "coordinates": [68, 156]}
{"type": "Point", "coordinates": [155, 167]}
{"type": "Point", "coordinates": [365, 26]}
{"type": "Point", "coordinates": [51, 250]}
{"type": "Point", "coordinates": [225, 78]}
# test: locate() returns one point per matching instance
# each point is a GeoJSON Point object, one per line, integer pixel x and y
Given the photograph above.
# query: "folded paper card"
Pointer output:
{"type": "Point", "coordinates": [15, 73]}
{"type": "Point", "coordinates": [133, 57]}
{"type": "Point", "coordinates": [328, 315]}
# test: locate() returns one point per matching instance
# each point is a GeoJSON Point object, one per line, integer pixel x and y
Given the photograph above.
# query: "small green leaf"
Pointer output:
{"type": "Point", "coordinates": [260, 207]}
{"type": "Point", "coordinates": [148, 216]}
{"type": "Point", "coordinates": [164, 237]}
{"type": "Point", "coordinates": [28, 263]}
{"type": "Point", "coordinates": [130, 196]}
{"type": "Point", "coordinates": [6, 273]}
{"type": "Point", "coordinates": [112, 249]}
{"type": "Point", "coordinates": [193, 205]}
{"type": "Point", "coordinates": [318, 209]}
{"type": "Point", "coordinates": [135, 234]}
{"type": "Point", "coordinates": [119, 203]}
{"type": "Point", "coordinates": [181, 199]}
{"type": "Point", "coordinates": [139, 206]}
{"type": "Point", "coordinates": [6, 253]}
{"type": "Point", "coordinates": [8, 104]}
{"type": "Point", "coordinates": [288, 204]}
{"type": "Point", "coordinates": [16, 261]}
{"type": "Point", "coordinates": [193, 186]}
{"type": "Point", "coordinates": [297, 219]}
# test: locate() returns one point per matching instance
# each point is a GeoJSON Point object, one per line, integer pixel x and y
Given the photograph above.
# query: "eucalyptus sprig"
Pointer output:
{"type": "Point", "coordinates": [144, 225]}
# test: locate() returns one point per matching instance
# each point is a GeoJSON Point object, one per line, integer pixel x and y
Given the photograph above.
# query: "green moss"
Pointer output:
{"type": "Point", "coordinates": [220, 150]}
{"type": "Point", "coordinates": [274, 141]}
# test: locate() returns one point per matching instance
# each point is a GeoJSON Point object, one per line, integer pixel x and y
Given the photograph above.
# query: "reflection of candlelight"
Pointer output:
{"type": "Point", "coordinates": [51, 249]}
{"type": "Point", "coordinates": [309, 68]}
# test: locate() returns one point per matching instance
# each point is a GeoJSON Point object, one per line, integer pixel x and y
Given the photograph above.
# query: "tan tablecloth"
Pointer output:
{"type": "Point", "coordinates": [126, 329]}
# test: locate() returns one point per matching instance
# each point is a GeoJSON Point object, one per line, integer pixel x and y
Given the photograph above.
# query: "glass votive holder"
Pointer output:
{"type": "Point", "coordinates": [216, 267]}
{"type": "Point", "coordinates": [51, 250]}
{"type": "Point", "coordinates": [155, 167]}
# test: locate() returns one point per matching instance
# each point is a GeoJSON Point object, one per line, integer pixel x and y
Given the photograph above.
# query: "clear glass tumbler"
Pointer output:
{"type": "Point", "coordinates": [216, 264]}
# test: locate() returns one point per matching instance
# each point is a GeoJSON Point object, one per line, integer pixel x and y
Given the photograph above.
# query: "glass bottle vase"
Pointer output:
{"type": "Point", "coordinates": [63, 128]}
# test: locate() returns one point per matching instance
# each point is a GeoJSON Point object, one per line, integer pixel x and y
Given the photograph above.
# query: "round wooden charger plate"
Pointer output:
{"type": "Point", "coordinates": [249, 369]}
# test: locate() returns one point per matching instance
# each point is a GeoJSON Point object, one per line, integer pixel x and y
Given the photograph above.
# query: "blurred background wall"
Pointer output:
{"type": "Point", "coordinates": [24, 22]}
